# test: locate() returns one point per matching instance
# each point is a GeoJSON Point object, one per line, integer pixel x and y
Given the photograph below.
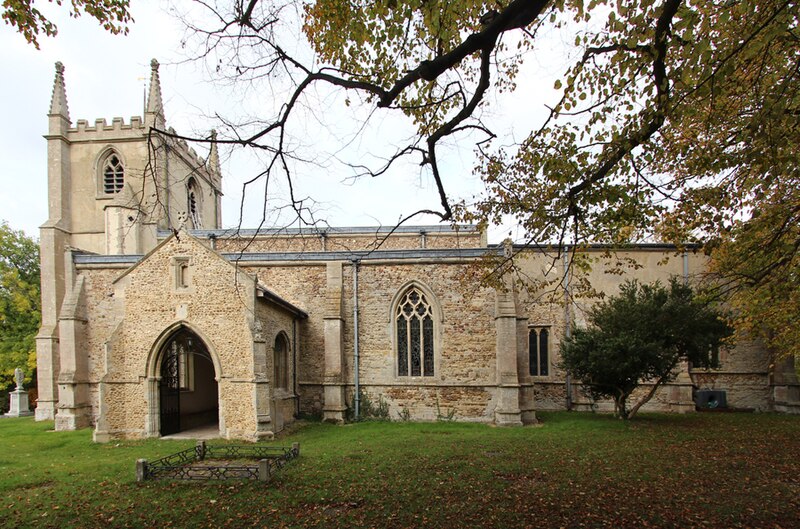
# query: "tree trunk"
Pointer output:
{"type": "Point", "coordinates": [619, 405]}
{"type": "Point", "coordinates": [647, 397]}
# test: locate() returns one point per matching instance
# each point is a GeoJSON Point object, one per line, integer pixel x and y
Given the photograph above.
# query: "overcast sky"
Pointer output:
{"type": "Point", "coordinates": [106, 77]}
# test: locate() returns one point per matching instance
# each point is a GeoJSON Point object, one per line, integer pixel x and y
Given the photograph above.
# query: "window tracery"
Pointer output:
{"type": "Point", "coordinates": [414, 326]}
{"type": "Point", "coordinates": [113, 174]}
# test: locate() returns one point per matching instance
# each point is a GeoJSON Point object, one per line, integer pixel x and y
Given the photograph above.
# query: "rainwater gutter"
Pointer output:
{"type": "Point", "coordinates": [357, 397]}
{"type": "Point", "coordinates": [567, 322]}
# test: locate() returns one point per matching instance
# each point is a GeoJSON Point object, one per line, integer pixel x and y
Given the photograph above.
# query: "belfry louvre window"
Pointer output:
{"type": "Point", "coordinates": [414, 323]}
{"type": "Point", "coordinates": [113, 175]}
{"type": "Point", "coordinates": [539, 351]}
{"type": "Point", "coordinates": [194, 209]}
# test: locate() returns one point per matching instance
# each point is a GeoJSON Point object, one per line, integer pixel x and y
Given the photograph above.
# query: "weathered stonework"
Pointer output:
{"type": "Point", "coordinates": [151, 312]}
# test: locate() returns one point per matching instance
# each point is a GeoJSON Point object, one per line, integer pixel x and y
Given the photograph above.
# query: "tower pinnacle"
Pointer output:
{"type": "Point", "coordinates": [58, 102]}
{"type": "Point", "coordinates": [155, 107]}
{"type": "Point", "coordinates": [213, 156]}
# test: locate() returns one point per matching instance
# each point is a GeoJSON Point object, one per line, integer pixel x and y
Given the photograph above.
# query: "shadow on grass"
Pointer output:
{"type": "Point", "coordinates": [576, 468]}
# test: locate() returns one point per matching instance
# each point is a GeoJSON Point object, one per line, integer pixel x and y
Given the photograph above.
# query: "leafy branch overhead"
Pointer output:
{"type": "Point", "coordinates": [674, 121]}
{"type": "Point", "coordinates": [408, 58]}
{"type": "Point", "coordinates": [27, 19]}
{"type": "Point", "coordinates": [436, 62]}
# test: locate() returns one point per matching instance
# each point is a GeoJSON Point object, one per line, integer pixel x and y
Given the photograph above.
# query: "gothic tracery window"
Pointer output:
{"type": "Point", "coordinates": [415, 335]}
{"type": "Point", "coordinates": [113, 174]}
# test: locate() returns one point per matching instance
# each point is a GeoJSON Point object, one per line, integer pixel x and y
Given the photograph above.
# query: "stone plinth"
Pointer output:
{"type": "Point", "coordinates": [19, 404]}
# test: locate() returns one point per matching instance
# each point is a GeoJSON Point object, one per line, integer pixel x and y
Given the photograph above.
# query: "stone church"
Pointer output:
{"type": "Point", "coordinates": [155, 320]}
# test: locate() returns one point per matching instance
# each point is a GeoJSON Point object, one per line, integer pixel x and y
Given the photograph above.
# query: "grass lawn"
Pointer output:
{"type": "Point", "coordinates": [574, 470]}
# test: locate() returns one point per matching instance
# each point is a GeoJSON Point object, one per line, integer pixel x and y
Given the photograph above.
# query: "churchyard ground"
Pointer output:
{"type": "Point", "coordinates": [572, 470]}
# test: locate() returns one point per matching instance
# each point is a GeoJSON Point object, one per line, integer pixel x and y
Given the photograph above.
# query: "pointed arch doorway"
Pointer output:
{"type": "Point", "coordinates": [188, 393]}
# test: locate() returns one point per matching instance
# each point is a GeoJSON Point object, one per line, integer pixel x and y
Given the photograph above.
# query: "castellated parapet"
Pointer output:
{"type": "Point", "coordinates": [190, 155]}
{"type": "Point", "coordinates": [136, 128]}
{"type": "Point", "coordinates": [118, 183]}
{"type": "Point", "coordinates": [117, 124]}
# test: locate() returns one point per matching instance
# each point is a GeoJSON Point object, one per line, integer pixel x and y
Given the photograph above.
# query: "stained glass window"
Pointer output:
{"type": "Point", "coordinates": [427, 341]}
{"type": "Point", "coordinates": [416, 364]}
{"type": "Point", "coordinates": [402, 347]}
{"type": "Point", "coordinates": [415, 336]}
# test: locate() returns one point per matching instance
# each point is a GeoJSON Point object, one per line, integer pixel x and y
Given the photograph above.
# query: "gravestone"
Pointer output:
{"type": "Point", "coordinates": [19, 397]}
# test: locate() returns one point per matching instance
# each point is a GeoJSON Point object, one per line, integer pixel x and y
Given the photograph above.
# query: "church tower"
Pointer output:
{"type": "Point", "coordinates": [111, 189]}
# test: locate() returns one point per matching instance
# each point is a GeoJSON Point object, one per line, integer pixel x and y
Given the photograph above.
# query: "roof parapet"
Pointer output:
{"type": "Point", "coordinates": [406, 229]}
{"type": "Point", "coordinates": [183, 147]}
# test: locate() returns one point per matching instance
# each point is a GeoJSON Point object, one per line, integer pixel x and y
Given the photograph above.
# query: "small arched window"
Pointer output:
{"type": "Point", "coordinates": [193, 207]}
{"type": "Point", "coordinates": [281, 361]}
{"type": "Point", "coordinates": [113, 174]}
{"type": "Point", "coordinates": [539, 351]}
{"type": "Point", "coordinates": [414, 325]}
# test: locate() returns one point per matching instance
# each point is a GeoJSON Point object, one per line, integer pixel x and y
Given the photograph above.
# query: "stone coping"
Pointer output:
{"type": "Point", "coordinates": [365, 255]}
{"type": "Point", "coordinates": [466, 229]}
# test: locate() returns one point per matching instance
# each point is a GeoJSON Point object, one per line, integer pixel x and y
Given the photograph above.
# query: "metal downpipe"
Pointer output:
{"type": "Point", "coordinates": [357, 397]}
